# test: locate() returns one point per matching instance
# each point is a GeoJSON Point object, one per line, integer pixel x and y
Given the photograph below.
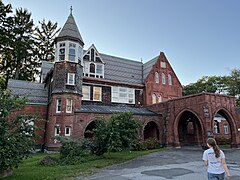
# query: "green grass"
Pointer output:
{"type": "Point", "coordinates": [30, 168]}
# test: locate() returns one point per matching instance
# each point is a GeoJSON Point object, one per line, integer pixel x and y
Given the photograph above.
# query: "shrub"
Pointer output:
{"type": "Point", "coordinates": [140, 145]}
{"type": "Point", "coordinates": [222, 140]}
{"type": "Point", "coordinates": [115, 134]}
{"type": "Point", "coordinates": [16, 134]}
{"type": "Point", "coordinates": [48, 161]}
{"type": "Point", "coordinates": [74, 151]}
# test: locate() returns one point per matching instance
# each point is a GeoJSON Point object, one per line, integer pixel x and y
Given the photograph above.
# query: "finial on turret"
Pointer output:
{"type": "Point", "coordinates": [71, 9]}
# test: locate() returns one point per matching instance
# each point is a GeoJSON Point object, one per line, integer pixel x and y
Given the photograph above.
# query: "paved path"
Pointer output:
{"type": "Point", "coordinates": [180, 164]}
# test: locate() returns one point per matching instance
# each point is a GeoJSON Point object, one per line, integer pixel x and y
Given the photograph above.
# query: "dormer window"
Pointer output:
{"type": "Point", "coordinates": [71, 79]}
{"type": "Point", "coordinates": [72, 51]}
{"type": "Point", "coordinates": [93, 64]}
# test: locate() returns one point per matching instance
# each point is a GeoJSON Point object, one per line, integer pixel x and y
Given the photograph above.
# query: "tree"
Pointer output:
{"type": "Point", "coordinates": [24, 56]}
{"type": "Point", "coordinates": [16, 134]}
{"type": "Point", "coordinates": [229, 85]}
{"type": "Point", "coordinates": [6, 24]}
{"type": "Point", "coordinates": [45, 35]}
{"type": "Point", "coordinates": [115, 134]}
{"type": "Point", "coordinates": [211, 84]}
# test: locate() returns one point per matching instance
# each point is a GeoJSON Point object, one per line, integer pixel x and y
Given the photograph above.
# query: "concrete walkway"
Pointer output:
{"type": "Point", "coordinates": [180, 164]}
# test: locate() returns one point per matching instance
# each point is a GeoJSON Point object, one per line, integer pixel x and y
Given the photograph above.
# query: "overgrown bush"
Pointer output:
{"type": "Point", "coordinates": [142, 145]}
{"type": "Point", "coordinates": [115, 134]}
{"type": "Point", "coordinates": [222, 140]}
{"type": "Point", "coordinates": [74, 151]}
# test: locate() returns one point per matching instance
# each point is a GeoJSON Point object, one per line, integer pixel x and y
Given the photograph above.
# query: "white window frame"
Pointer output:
{"type": "Point", "coordinates": [163, 64]}
{"type": "Point", "coordinates": [57, 130]}
{"type": "Point", "coordinates": [69, 130]}
{"type": "Point", "coordinates": [69, 80]}
{"type": "Point", "coordinates": [58, 104]}
{"type": "Point", "coordinates": [94, 91]}
{"type": "Point", "coordinates": [88, 89]}
{"type": "Point", "coordinates": [122, 95]}
{"type": "Point", "coordinates": [62, 46]}
{"type": "Point", "coordinates": [69, 100]}
{"type": "Point", "coordinates": [156, 77]}
{"type": "Point", "coordinates": [154, 98]}
{"type": "Point", "coordinates": [163, 78]}
{"type": "Point", "coordinates": [169, 79]}
{"type": "Point", "coordinates": [226, 129]}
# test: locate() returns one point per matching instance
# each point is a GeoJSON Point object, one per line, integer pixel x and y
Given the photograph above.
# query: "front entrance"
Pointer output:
{"type": "Point", "coordinates": [189, 130]}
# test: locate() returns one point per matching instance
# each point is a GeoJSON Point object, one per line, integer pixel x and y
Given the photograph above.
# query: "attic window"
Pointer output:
{"type": "Point", "coordinates": [163, 64]}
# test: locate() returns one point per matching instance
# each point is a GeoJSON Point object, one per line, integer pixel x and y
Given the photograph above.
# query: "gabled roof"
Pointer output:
{"type": "Point", "coordinates": [35, 91]}
{"type": "Point", "coordinates": [88, 53]}
{"type": "Point", "coordinates": [70, 30]}
{"type": "Point", "coordinates": [147, 67]}
{"type": "Point", "coordinates": [114, 110]}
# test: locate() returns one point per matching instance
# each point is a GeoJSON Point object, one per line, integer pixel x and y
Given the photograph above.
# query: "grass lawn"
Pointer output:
{"type": "Point", "coordinates": [30, 168]}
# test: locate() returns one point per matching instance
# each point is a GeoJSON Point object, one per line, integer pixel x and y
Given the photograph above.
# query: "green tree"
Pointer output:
{"type": "Point", "coordinates": [45, 35]}
{"type": "Point", "coordinates": [115, 134]}
{"type": "Point", "coordinates": [16, 134]}
{"type": "Point", "coordinates": [6, 24]}
{"type": "Point", "coordinates": [26, 64]}
{"type": "Point", "coordinates": [211, 84]}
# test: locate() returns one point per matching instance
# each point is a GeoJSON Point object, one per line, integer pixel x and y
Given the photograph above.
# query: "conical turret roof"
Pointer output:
{"type": "Point", "coordinates": [70, 31]}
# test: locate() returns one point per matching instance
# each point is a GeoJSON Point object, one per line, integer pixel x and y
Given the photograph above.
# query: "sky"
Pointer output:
{"type": "Point", "coordinates": [199, 38]}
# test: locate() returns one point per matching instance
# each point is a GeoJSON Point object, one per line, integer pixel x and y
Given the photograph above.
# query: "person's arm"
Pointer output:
{"type": "Point", "coordinates": [205, 162]}
{"type": "Point", "coordinates": [225, 167]}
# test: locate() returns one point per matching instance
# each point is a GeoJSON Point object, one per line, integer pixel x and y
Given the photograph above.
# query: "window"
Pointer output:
{"type": "Point", "coordinates": [59, 105]}
{"type": "Point", "coordinates": [56, 131]}
{"type": "Point", "coordinates": [163, 64]}
{"type": "Point", "coordinates": [226, 129]}
{"type": "Point", "coordinates": [97, 93]}
{"type": "Point", "coordinates": [154, 99]}
{"type": "Point", "coordinates": [61, 54]}
{"type": "Point", "coordinates": [99, 69]}
{"type": "Point", "coordinates": [71, 79]}
{"type": "Point", "coordinates": [67, 131]}
{"type": "Point", "coordinates": [156, 77]}
{"type": "Point", "coordinates": [159, 98]}
{"type": "Point", "coordinates": [163, 79]}
{"type": "Point", "coordinates": [169, 79]}
{"type": "Point", "coordinates": [79, 54]}
{"type": "Point", "coordinates": [69, 105]}
{"type": "Point", "coordinates": [86, 92]}
{"type": "Point", "coordinates": [92, 68]}
{"type": "Point", "coordinates": [72, 52]}
{"type": "Point", "coordinates": [123, 95]}
{"type": "Point", "coordinates": [216, 127]}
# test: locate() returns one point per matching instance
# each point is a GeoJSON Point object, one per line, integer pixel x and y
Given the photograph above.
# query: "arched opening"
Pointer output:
{"type": "Point", "coordinates": [89, 130]}
{"type": "Point", "coordinates": [189, 129]}
{"type": "Point", "coordinates": [151, 131]}
{"type": "Point", "coordinates": [222, 130]}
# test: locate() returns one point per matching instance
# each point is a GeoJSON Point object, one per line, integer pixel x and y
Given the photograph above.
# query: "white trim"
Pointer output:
{"type": "Point", "coordinates": [67, 101]}
{"type": "Point", "coordinates": [69, 129]}
{"type": "Point", "coordinates": [58, 105]}
{"type": "Point", "coordinates": [73, 79]}
{"type": "Point", "coordinates": [122, 95]}
{"type": "Point", "coordinates": [88, 89]}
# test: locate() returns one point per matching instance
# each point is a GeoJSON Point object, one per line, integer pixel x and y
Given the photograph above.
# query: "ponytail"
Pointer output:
{"type": "Point", "coordinates": [215, 147]}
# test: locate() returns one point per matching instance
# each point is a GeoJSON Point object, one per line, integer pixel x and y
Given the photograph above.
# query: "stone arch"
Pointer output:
{"type": "Point", "coordinates": [188, 129]}
{"type": "Point", "coordinates": [233, 128]}
{"type": "Point", "coordinates": [88, 129]}
{"type": "Point", "coordinates": [151, 130]}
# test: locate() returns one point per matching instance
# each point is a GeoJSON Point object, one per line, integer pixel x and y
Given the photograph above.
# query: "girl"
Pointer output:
{"type": "Point", "coordinates": [214, 159]}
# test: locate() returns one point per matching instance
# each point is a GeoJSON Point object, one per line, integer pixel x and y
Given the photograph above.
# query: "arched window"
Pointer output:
{"type": "Point", "coordinates": [159, 98]}
{"type": "Point", "coordinates": [169, 79]}
{"type": "Point", "coordinates": [163, 78]}
{"type": "Point", "coordinates": [156, 77]}
{"type": "Point", "coordinates": [154, 98]}
{"type": "Point", "coordinates": [92, 68]}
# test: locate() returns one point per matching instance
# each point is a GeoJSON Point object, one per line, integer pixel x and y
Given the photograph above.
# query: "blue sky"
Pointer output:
{"type": "Point", "coordinates": [199, 38]}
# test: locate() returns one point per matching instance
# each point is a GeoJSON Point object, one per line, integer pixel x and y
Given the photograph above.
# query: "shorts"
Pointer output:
{"type": "Point", "coordinates": [212, 176]}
